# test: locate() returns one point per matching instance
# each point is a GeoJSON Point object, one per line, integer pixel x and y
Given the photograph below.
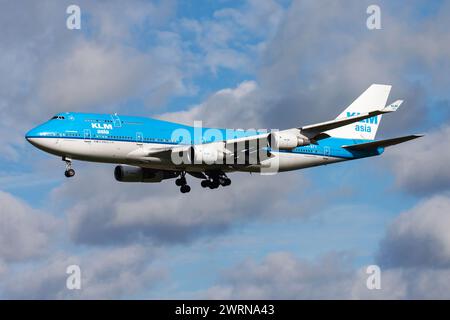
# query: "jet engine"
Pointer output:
{"type": "Point", "coordinates": [287, 140]}
{"type": "Point", "coordinates": [137, 174]}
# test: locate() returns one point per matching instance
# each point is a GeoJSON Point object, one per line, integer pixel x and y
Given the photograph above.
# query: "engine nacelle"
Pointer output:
{"type": "Point", "coordinates": [138, 174]}
{"type": "Point", "coordinates": [287, 141]}
{"type": "Point", "coordinates": [208, 154]}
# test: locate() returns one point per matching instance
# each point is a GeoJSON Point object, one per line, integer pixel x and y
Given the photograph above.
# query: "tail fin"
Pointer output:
{"type": "Point", "coordinates": [374, 98]}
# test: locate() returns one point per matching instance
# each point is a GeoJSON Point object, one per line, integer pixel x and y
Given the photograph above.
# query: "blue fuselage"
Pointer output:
{"type": "Point", "coordinates": [102, 131]}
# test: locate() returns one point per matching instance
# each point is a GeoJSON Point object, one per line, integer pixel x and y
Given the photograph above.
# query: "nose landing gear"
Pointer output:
{"type": "Point", "coordinates": [69, 173]}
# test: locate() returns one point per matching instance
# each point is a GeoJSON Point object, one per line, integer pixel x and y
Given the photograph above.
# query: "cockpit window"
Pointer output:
{"type": "Point", "coordinates": [58, 117]}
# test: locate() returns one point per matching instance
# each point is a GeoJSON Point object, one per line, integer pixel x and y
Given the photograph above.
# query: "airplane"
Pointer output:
{"type": "Point", "coordinates": [152, 150]}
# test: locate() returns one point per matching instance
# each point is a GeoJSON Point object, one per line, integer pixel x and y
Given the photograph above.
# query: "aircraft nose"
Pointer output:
{"type": "Point", "coordinates": [30, 134]}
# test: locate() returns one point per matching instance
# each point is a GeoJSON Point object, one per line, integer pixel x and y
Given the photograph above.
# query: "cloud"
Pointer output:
{"type": "Point", "coordinates": [405, 283]}
{"type": "Point", "coordinates": [114, 22]}
{"type": "Point", "coordinates": [414, 257]}
{"type": "Point", "coordinates": [28, 41]}
{"type": "Point", "coordinates": [231, 107]}
{"type": "Point", "coordinates": [105, 274]}
{"type": "Point", "coordinates": [322, 57]}
{"type": "Point", "coordinates": [310, 66]}
{"type": "Point", "coordinates": [46, 68]}
{"type": "Point", "coordinates": [421, 167]}
{"type": "Point", "coordinates": [160, 214]}
{"type": "Point", "coordinates": [281, 275]}
{"type": "Point", "coordinates": [222, 41]}
{"type": "Point", "coordinates": [93, 75]}
{"type": "Point", "coordinates": [25, 232]}
{"type": "Point", "coordinates": [414, 254]}
{"type": "Point", "coordinates": [258, 17]}
{"type": "Point", "coordinates": [419, 237]}
{"type": "Point", "coordinates": [428, 283]}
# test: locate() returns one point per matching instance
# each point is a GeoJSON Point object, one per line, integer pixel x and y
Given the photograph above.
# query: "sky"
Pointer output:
{"type": "Point", "coordinates": [308, 234]}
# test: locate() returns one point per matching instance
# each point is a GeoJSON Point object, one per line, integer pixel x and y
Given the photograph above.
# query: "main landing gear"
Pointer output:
{"type": "Point", "coordinates": [211, 179]}
{"type": "Point", "coordinates": [69, 173]}
{"type": "Point", "coordinates": [182, 183]}
{"type": "Point", "coordinates": [215, 180]}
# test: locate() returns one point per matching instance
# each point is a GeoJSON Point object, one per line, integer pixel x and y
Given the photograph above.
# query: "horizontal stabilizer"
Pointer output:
{"type": "Point", "coordinates": [381, 143]}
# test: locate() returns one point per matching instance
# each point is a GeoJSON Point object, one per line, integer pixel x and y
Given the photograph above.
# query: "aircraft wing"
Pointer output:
{"type": "Point", "coordinates": [238, 148]}
{"type": "Point", "coordinates": [311, 131]}
{"type": "Point", "coordinates": [159, 153]}
{"type": "Point", "coordinates": [247, 149]}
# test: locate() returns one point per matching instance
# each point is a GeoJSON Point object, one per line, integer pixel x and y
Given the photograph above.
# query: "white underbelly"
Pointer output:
{"type": "Point", "coordinates": [286, 161]}
{"type": "Point", "coordinates": [118, 152]}
{"type": "Point", "coordinates": [103, 150]}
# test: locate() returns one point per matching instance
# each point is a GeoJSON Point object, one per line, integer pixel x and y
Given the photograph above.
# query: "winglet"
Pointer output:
{"type": "Point", "coordinates": [393, 106]}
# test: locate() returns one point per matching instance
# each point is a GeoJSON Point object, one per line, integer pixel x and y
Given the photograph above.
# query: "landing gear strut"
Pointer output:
{"type": "Point", "coordinates": [182, 183]}
{"type": "Point", "coordinates": [69, 173]}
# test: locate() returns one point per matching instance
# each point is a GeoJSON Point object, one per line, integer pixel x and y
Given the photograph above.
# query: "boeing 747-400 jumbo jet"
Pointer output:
{"type": "Point", "coordinates": [151, 150]}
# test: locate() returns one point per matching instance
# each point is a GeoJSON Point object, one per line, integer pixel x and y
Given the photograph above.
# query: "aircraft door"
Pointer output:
{"type": "Point", "coordinates": [87, 135]}
{"type": "Point", "coordinates": [139, 139]}
{"type": "Point", "coordinates": [326, 152]}
{"type": "Point", "coordinates": [116, 120]}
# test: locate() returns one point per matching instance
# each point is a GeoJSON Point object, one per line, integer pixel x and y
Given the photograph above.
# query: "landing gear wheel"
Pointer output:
{"type": "Point", "coordinates": [214, 184]}
{"type": "Point", "coordinates": [205, 183]}
{"type": "Point", "coordinates": [181, 181]}
{"type": "Point", "coordinates": [69, 173]}
{"type": "Point", "coordinates": [185, 188]}
{"type": "Point", "coordinates": [224, 181]}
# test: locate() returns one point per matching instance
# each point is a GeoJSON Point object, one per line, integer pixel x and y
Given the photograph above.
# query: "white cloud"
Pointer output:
{"type": "Point", "coordinates": [258, 17]}
{"type": "Point", "coordinates": [231, 107]}
{"type": "Point", "coordinates": [414, 258]}
{"type": "Point", "coordinates": [322, 57]}
{"type": "Point", "coordinates": [421, 166]}
{"type": "Point", "coordinates": [159, 213]}
{"type": "Point", "coordinates": [46, 68]}
{"type": "Point", "coordinates": [281, 275]}
{"type": "Point", "coordinates": [25, 232]}
{"type": "Point", "coordinates": [223, 39]}
{"type": "Point", "coordinates": [113, 22]}
{"type": "Point", "coordinates": [105, 274]}
{"type": "Point", "coordinates": [419, 236]}
{"type": "Point", "coordinates": [92, 75]}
